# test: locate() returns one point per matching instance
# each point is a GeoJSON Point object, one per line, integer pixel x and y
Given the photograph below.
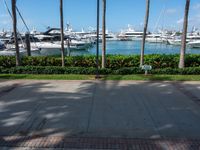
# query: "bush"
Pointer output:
{"type": "Point", "coordinates": [92, 71]}
{"type": "Point", "coordinates": [113, 61]}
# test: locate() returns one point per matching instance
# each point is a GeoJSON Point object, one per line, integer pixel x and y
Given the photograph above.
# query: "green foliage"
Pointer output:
{"type": "Point", "coordinates": [176, 71]}
{"type": "Point", "coordinates": [7, 61]}
{"type": "Point", "coordinates": [113, 61]}
{"type": "Point", "coordinates": [92, 71]}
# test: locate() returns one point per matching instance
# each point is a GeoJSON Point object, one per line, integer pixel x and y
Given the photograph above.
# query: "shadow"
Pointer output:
{"type": "Point", "coordinates": [87, 114]}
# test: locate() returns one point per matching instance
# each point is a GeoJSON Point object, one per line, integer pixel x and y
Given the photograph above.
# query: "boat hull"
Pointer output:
{"type": "Point", "coordinates": [22, 52]}
{"type": "Point", "coordinates": [195, 44]}
{"type": "Point", "coordinates": [155, 40]}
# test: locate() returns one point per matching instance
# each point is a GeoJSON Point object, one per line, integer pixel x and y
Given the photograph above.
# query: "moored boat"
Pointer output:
{"type": "Point", "coordinates": [194, 44]}
{"type": "Point", "coordinates": [155, 38]}
{"type": "Point", "coordinates": [174, 42]}
{"type": "Point", "coordinates": [130, 34]}
{"type": "Point", "coordinates": [22, 52]}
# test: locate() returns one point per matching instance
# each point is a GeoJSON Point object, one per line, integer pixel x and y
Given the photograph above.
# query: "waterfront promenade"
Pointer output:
{"type": "Point", "coordinates": [99, 114]}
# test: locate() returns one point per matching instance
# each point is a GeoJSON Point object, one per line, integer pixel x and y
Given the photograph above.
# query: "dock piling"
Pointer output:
{"type": "Point", "coordinates": [28, 45]}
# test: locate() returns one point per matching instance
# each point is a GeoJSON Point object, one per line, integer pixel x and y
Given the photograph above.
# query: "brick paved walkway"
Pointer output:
{"type": "Point", "coordinates": [99, 143]}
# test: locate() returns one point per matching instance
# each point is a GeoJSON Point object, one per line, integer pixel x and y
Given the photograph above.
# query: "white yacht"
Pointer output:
{"type": "Point", "coordinates": [130, 34]}
{"type": "Point", "coordinates": [35, 32]}
{"type": "Point", "coordinates": [42, 37]}
{"type": "Point", "coordinates": [45, 45]}
{"type": "Point", "coordinates": [79, 45]}
{"type": "Point", "coordinates": [194, 39]}
{"type": "Point", "coordinates": [191, 38]}
{"type": "Point", "coordinates": [109, 36]}
{"type": "Point", "coordinates": [12, 52]}
{"type": "Point", "coordinates": [155, 38]}
{"type": "Point", "coordinates": [174, 42]}
{"type": "Point", "coordinates": [74, 45]}
{"type": "Point", "coordinates": [194, 44]}
{"type": "Point", "coordinates": [5, 36]}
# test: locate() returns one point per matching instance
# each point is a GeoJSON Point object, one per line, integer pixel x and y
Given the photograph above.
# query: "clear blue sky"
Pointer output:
{"type": "Point", "coordinates": [82, 13]}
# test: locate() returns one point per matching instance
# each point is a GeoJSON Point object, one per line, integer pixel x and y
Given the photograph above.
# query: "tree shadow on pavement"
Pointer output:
{"type": "Point", "coordinates": [62, 114]}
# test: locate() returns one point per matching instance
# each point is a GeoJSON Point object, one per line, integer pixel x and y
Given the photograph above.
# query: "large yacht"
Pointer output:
{"type": "Point", "coordinates": [56, 45]}
{"type": "Point", "coordinates": [194, 44]}
{"type": "Point", "coordinates": [130, 34]}
{"type": "Point", "coordinates": [192, 39]}
{"type": "Point", "coordinates": [155, 38]}
{"type": "Point", "coordinates": [52, 34]}
{"type": "Point", "coordinates": [51, 39]}
{"type": "Point", "coordinates": [5, 36]}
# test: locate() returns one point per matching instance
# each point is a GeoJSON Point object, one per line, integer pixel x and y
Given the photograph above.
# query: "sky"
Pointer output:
{"type": "Point", "coordinates": [80, 14]}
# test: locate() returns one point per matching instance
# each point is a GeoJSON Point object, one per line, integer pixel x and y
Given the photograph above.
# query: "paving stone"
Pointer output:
{"type": "Point", "coordinates": [105, 143]}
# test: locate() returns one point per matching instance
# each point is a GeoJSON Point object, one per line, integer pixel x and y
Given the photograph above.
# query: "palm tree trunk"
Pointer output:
{"type": "Point", "coordinates": [145, 32]}
{"type": "Point", "coordinates": [62, 34]}
{"type": "Point", "coordinates": [15, 32]}
{"type": "Point", "coordinates": [184, 36]}
{"type": "Point", "coordinates": [104, 35]}
{"type": "Point", "coordinates": [97, 42]}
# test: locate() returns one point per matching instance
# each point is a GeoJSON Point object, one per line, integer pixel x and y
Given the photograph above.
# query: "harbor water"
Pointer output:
{"type": "Point", "coordinates": [129, 48]}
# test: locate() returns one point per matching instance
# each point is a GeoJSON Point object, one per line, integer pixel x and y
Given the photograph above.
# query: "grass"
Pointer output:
{"type": "Point", "coordinates": [46, 77]}
{"type": "Point", "coordinates": [154, 77]}
{"type": "Point", "coordinates": [106, 77]}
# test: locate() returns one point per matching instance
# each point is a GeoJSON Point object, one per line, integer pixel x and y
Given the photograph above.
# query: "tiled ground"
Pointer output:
{"type": "Point", "coordinates": [98, 143]}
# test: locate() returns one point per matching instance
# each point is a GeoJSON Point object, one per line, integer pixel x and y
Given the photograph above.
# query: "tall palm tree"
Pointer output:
{"type": "Point", "coordinates": [184, 36]}
{"type": "Point", "coordinates": [145, 32]}
{"type": "Point", "coordinates": [97, 41]}
{"type": "Point", "coordinates": [104, 35]}
{"type": "Point", "coordinates": [14, 16]}
{"type": "Point", "coordinates": [62, 33]}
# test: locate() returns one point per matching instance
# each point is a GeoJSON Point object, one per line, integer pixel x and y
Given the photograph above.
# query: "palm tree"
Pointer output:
{"type": "Point", "coordinates": [145, 32]}
{"type": "Point", "coordinates": [14, 16]}
{"type": "Point", "coordinates": [97, 41]}
{"type": "Point", "coordinates": [104, 35]}
{"type": "Point", "coordinates": [62, 34]}
{"type": "Point", "coordinates": [184, 36]}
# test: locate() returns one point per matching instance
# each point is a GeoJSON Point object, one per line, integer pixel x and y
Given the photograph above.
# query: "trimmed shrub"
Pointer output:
{"type": "Point", "coordinates": [113, 61]}
{"type": "Point", "coordinates": [92, 71]}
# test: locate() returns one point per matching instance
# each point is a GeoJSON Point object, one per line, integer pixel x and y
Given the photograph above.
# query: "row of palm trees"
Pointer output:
{"type": "Point", "coordinates": [183, 45]}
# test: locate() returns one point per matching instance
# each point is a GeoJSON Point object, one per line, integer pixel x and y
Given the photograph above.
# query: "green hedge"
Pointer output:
{"type": "Point", "coordinates": [52, 70]}
{"type": "Point", "coordinates": [113, 61]}
{"type": "Point", "coordinates": [92, 71]}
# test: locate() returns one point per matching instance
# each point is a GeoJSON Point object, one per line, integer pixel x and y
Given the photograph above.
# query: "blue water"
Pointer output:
{"type": "Point", "coordinates": [127, 48]}
{"type": "Point", "coordinates": [134, 47]}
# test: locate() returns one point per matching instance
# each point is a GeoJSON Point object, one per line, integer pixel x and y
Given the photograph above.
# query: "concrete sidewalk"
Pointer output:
{"type": "Point", "coordinates": [124, 109]}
